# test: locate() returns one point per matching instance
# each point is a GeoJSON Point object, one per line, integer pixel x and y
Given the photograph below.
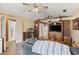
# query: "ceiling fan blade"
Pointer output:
{"type": "Point", "coordinates": [41, 5]}
{"type": "Point", "coordinates": [35, 4]}
{"type": "Point", "coordinates": [25, 4]}
{"type": "Point", "coordinates": [30, 10]}
{"type": "Point", "coordinates": [46, 7]}
{"type": "Point", "coordinates": [42, 9]}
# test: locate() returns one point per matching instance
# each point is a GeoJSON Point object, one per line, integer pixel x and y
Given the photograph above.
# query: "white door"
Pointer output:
{"type": "Point", "coordinates": [4, 24]}
{"type": "Point", "coordinates": [0, 45]}
{"type": "Point", "coordinates": [11, 30]}
{"type": "Point", "coordinates": [0, 38]}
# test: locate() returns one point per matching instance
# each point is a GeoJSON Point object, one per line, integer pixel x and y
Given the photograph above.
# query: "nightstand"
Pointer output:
{"type": "Point", "coordinates": [74, 44]}
{"type": "Point", "coordinates": [68, 40]}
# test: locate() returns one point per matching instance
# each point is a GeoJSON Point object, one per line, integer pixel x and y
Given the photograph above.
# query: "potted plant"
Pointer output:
{"type": "Point", "coordinates": [30, 30]}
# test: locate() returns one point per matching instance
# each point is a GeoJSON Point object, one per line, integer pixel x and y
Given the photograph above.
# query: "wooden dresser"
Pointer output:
{"type": "Point", "coordinates": [25, 36]}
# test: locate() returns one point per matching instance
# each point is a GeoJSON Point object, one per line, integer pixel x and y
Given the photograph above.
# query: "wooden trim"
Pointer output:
{"type": "Point", "coordinates": [62, 31]}
{"type": "Point", "coordinates": [11, 19]}
{"type": "Point", "coordinates": [43, 22]}
{"type": "Point", "coordinates": [6, 28]}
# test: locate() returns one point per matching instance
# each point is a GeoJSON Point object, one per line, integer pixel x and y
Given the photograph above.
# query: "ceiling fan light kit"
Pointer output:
{"type": "Point", "coordinates": [37, 7]}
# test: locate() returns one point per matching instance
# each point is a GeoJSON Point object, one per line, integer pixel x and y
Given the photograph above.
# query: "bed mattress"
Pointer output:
{"type": "Point", "coordinates": [50, 48]}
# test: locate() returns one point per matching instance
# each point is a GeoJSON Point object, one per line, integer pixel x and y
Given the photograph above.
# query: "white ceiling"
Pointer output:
{"type": "Point", "coordinates": [54, 9]}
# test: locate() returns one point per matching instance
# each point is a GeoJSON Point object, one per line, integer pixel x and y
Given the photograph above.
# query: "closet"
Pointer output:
{"type": "Point", "coordinates": [56, 31]}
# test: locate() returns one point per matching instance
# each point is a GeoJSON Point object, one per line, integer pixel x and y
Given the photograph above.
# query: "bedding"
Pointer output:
{"type": "Point", "coordinates": [27, 49]}
{"type": "Point", "coordinates": [50, 48]}
{"type": "Point", "coordinates": [31, 41]}
{"type": "Point", "coordinates": [74, 51]}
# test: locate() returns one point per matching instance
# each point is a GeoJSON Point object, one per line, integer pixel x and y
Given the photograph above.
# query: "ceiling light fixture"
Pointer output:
{"type": "Point", "coordinates": [36, 7]}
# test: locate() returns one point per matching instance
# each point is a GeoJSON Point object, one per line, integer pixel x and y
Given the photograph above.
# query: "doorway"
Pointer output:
{"type": "Point", "coordinates": [11, 42]}
{"type": "Point", "coordinates": [11, 30]}
{"type": "Point", "coordinates": [11, 33]}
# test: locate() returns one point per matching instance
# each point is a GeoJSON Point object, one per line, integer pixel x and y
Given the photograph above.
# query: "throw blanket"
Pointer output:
{"type": "Point", "coordinates": [50, 48]}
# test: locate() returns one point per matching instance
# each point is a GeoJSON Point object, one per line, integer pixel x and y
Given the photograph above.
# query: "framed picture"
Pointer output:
{"type": "Point", "coordinates": [76, 24]}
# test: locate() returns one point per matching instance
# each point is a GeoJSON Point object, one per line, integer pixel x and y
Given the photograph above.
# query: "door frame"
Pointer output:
{"type": "Point", "coordinates": [6, 31]}
{"type": "Point", "coordinates": [8, 24]}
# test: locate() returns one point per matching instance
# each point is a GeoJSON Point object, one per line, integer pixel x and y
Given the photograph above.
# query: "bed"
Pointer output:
{"type": "Point", "coordinates": [33, 47]}
{"type": "Point", "coordinates": [74, 51]}
{"type": "Point", "coordinates": [27, 49]}
{"type": "Point", "coordinates": [50, 48]}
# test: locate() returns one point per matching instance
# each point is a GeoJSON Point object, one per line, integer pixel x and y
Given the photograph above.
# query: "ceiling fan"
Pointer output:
{"type": "Point", "coordinates": [57, 17]}
{"type": "Point", "coordinates": [51, 18]}
{"type": "Point", "coordinates": [37, 7]}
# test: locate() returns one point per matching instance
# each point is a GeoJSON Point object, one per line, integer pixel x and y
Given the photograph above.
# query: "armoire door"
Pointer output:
{"type": "Point", "coordinates": [43, 30]}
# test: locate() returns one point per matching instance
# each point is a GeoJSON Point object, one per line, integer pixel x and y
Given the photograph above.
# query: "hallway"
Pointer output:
{"type": "Point", "coordinates": [11, 50]}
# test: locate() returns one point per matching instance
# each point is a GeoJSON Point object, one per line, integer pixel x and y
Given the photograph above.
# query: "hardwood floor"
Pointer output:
{"type": "Point", "coordinates": [11, 50]}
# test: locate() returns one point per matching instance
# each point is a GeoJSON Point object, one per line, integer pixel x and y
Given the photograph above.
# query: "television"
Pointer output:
{"type": "Point", "coordinates": [56, 28]}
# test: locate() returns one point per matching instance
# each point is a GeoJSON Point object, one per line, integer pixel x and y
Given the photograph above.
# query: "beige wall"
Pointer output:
{"type": "Point", "coordinates": [19, 36]}
{"type": "Point", "coordinates": [75, 33]}
{"type": "Point", "coordinates": [21, 26]}
{"type": "Point", "coordinates": [27, 24]}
